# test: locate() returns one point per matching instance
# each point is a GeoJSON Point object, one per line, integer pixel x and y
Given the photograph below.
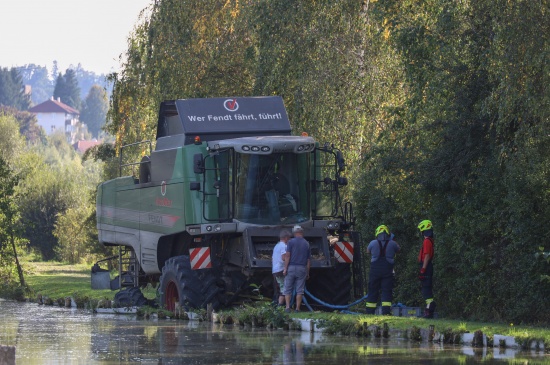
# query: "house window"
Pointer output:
{"type": "Point", "coordinates": [53, 128]}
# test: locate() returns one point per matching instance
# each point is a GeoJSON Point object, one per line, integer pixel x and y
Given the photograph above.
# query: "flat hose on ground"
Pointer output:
{"type": "Point", "coordinates": [343, 307]}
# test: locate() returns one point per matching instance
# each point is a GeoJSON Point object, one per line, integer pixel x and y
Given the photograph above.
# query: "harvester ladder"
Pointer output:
{"type": "Point", "coordinates": [128, 267]}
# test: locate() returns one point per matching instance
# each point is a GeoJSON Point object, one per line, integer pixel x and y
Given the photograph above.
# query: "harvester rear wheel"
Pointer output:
{"type": "Point", "coordinates": [179, 283]}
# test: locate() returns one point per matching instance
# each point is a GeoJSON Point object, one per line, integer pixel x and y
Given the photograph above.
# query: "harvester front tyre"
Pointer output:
{"type": "Point", "coordinates": [180, 284]}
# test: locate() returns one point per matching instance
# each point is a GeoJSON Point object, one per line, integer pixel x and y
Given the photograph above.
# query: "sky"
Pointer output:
{"type": "Point", "coordinates": [90, 32]}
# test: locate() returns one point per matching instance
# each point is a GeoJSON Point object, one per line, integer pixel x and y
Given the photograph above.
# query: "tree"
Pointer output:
{"type": "Point", "coordinates": [12, 91]}
{"type": "Point", "coordinates": [66, 88]}
{"type": "Point", "coordinates": [9, 215]}
{"type": "Point", "coordinates": [11, 142]}
{"type": "Point", "coordinates": [87, 79]}
{"type": "Point", "coordinates": [94, 110]}
{"type": "Point", "coordinates": [38, 78]}
{"type": "Point", "coordinates": [28, 125]}
{"type": "Point", "coordinates": [11, 146]}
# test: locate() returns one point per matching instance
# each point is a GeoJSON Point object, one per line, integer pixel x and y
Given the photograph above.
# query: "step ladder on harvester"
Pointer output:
{"type": "Point", "coordinates": [128, 267]}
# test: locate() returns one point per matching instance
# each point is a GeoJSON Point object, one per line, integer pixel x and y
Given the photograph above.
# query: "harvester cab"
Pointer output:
{"type": "Point", "coordinates": [203, 211]}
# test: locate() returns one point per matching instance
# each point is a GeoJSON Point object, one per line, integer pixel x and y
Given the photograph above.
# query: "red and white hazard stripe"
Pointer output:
{"type": "Point", "coordinates": [200, 258]}
{"type": "Point", "coordinates": [343, 251]}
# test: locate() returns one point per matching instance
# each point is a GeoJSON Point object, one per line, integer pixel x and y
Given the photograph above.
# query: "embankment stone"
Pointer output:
{"type": "Point", "coordinates": [7, 355]}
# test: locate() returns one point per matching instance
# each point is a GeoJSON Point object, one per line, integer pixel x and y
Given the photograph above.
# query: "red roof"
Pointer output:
{"type": "Point", "coordinates": [82, 146]}
{"type": "Point", "coordinates": [53, 106]}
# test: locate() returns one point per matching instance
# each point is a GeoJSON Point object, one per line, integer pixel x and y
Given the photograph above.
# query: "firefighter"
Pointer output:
{"type": "Point", "coordinates": [425, 261]}
{"type": "Point", "coordinates": [381, 278]}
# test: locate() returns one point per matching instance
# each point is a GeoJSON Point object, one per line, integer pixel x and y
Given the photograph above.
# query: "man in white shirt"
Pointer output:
{"type": "Point", "coordinates": [278, 265]}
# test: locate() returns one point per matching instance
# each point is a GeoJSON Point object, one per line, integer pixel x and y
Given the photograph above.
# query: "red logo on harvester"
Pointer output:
{"type": "Point", "coordinates": [231, 105]}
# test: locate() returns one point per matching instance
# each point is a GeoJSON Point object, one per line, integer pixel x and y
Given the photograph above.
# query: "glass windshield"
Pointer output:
{"type": "Point", "coordinates": [272, 189]}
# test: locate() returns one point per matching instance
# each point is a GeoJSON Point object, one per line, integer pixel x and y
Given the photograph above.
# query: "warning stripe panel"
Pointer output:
{"type": "Point", "coordinates": [343, 252]}
{"type": "Point", "coordinates": [200, 258]}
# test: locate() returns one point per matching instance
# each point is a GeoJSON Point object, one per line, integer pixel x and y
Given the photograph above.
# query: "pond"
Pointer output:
{"type": "Point", "coordinates": [54, 335]}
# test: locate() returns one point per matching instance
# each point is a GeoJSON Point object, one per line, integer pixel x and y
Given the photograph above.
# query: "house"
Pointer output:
{"type": "Point", "coordinates": [82, 146]}
{"type": "Point", "coordinates": [53, 115]}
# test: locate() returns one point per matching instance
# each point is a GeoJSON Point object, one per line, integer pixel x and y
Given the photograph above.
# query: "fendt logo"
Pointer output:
{"type": "Point", "coordinates": [231, 105]}
{"type": "Point", "coordinates": [163, 202]}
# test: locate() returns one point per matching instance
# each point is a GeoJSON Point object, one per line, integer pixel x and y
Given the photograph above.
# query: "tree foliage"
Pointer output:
{"type": "Point", "coordinates": [94, 109]}
{"type": "Point", "coordinates": [12, 92]}
{"type": "Point", "coordinates": [38, 78]}
{"type": "Point", "coordinates": [440, 107]}
{"type": "Point", "coordinates": [67, 89]}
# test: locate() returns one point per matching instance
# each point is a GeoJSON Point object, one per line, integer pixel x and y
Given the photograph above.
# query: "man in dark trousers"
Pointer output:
{"type": "Point", "coordinates": [383, 250]}
{"type": "Point", "coordinates": [425, 259]}
{"type": "Point", "coordinates": [297, 262]}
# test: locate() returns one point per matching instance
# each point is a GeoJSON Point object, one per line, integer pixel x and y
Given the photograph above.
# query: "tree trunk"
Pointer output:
{"type": "Point", "coordinates": [19, 269]}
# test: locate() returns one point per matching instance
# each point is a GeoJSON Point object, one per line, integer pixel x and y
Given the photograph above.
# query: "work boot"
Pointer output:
{"type": "Point", "coordinates": [429, 310]}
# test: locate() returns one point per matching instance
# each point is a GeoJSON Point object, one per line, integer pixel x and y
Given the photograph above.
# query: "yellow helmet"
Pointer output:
{"type": "Point", "coordinates": [425, 225]}
{"type": "Point", "coordinates": [381, 229]}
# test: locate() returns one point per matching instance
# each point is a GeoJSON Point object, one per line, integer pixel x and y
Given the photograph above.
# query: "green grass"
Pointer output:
{"type": "Point", "coordinates": [57, 280]}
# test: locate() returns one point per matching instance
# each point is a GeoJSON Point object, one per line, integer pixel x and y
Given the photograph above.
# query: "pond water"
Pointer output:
{"type": "Point", "coordinates": [54, 335]}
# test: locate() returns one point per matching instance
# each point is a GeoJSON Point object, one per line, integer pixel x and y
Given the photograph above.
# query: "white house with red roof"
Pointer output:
{"type": "Point", "coordinates": [53, 115]}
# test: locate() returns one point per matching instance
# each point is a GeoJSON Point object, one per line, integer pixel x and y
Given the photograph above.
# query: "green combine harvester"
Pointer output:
{"type": "Point", "coordinates": [200, 214]}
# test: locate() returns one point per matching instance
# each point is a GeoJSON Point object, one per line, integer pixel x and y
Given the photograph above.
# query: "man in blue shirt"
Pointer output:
{"type": "Point", "coordinates": [297, 263]}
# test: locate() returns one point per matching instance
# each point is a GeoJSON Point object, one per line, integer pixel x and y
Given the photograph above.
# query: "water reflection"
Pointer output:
{"type": "Point", "coordinates": [52, 335]}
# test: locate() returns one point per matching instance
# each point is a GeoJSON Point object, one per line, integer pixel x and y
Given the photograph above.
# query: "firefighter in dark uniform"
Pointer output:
{"type": "Point", "coordinates": [381, 276]}
{"type": "Point", "coordinates": [425, 261]}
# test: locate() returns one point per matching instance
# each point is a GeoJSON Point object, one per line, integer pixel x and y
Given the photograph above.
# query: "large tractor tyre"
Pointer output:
{"type": "Point", "coordinates": [179, 283]}
{"type": "Point", "coordinates": [213, 288]}
{"type": "Point", "coordinates": [332, 286]}
{"type": "Point", "coordinates": [130, 297]}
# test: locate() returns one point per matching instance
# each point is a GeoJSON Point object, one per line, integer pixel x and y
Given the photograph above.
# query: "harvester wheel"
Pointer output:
{"type": "Point", "coordinates": [332, 286]}
{"type": "Point", "coordinates": [179, 283]}
{"type": "Point", "coordinates": [213, 288]}
{"type": "Point", "coordinates": [130, 297]}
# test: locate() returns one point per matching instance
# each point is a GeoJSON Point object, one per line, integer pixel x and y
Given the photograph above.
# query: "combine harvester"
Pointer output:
{"type": "Point", "coordinates": [201, 213]}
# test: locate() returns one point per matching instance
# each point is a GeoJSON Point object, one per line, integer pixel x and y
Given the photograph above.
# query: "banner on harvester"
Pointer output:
{"type": "Point", "coordinates": [343, 252]}
{"type": "Point", "coordinates": [200, 258]}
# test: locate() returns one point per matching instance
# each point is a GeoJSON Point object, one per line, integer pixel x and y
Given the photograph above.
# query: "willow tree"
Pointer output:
{"type": "Point", "coordinates": [472, 149]}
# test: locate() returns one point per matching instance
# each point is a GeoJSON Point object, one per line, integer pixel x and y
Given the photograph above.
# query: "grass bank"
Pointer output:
{"type": "Point", "coordinates": [57, 280]}
{"type": "Point", "coordinates": [351, 324]}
